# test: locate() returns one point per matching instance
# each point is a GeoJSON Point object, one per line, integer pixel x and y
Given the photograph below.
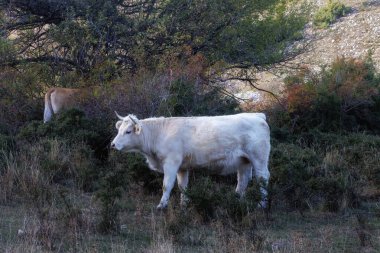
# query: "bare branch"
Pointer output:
{"type": "Point", "coordinates": [251, 82]}
{"type": "Point", "coordinates": [54, 60]}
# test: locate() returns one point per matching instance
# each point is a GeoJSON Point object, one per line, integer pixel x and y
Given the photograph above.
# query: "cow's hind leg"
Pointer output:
{"type": "Point", "coordinates": [260, 164]}
{"type": "Point", "coordinates": [47, 114]}
{"type": "Point", "coordinates": [183, 180]}
{"type": "Point", "coordinates": [244, 174]}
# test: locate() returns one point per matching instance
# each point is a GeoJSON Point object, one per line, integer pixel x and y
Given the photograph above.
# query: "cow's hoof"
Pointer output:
{"type": "Point", "coordinates": [183, 205]}
{"type": "Point", "coordinates": [161, 207]}
{"type": "Point", "coordinates": [263, 204]}
{"type": "Point", "coordinates": [238, 195]}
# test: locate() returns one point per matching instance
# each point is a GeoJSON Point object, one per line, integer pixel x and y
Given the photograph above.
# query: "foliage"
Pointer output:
{"type": "Point", "coordinates": [185, 99]}
{"type": "Point", "coordinates": [203, 199]}
{"type": "Point", "coordinates": [330, 13]}
{"type": "Point", "coordinates": [344, 97]}
{"type": "Point", "coordinates": [19, 98]}
{"type": "Point", "coordinates": [112, 185]}
{"type": "Point", "coordinates": [316, 170]}
{"type": "Point", "coordinates": [7, 51]}
{"type": "Point", "coordinates": [291, 167]}
{"type": "Point", "coordinates": [99, 39]}
{"type": "Point", "coordinates": [71, 125]}
{"type": "Point", "coordinates": [237, 208]}
{"type": "Point", "coordinates": [7, 143]}
{"type": "Point", "coordinates": [212, 200]}
{"type": "Point", "coordinates": [137, 171]}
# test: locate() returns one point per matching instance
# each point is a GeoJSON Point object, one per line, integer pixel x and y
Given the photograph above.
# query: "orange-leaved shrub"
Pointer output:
{"type": "Point", "coordinates": [343, 97]}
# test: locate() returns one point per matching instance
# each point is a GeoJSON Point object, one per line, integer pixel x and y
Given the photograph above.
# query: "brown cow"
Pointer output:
{"type": "Point", "coordinates": [58, 99]}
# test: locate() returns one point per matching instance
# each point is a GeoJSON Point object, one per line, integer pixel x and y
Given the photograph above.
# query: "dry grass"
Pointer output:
{"type": "Point", "coordinates": [66, 219]}
{"type": "Point", "coordinates": [144, 230]}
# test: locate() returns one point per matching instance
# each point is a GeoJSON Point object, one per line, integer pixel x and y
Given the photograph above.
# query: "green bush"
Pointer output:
{"type": "Point", "coordinates": [212, 199]}
{"type": "Point", "coordinates": [7, 50]}
{"type": "Point", "coordinates": [324, 171]}
{"type": "Point", "coordinates": [112, 185]}
{"type": "Point", "coordinates": [20, 96]}
{"type": "Point", "coordinates": [65, 162]}
{"type": "Point", "coordinates": [73, 126]}
{"type": "Point", "coordinates": [204, 198]}
{"type": "Point", "coordinates": [237, 208]}
{"type": "Point", "coordinates": [291, 167]}
{"type": "Point", "coordinates": [335, 184]}
{"type": "Point", "coordinates": [329, 14]}
{"type": "Point", "coordinates": [137, 171]}
{"type": "Point", "coordinates": [190, 98]}
{"type": "Point", "coordinates": [7, 142]}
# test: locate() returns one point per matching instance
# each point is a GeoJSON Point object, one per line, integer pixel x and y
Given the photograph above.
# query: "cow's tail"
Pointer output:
{"type": "Point", "coordinates": [48, 111]}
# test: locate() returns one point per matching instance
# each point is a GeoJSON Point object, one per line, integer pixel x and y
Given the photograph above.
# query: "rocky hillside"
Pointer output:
{"type": "Point", "coordinates": [355, 35]}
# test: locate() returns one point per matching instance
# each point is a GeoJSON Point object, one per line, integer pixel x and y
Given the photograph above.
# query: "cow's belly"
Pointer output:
{"type": "Point", "coordinates": [222, 163]}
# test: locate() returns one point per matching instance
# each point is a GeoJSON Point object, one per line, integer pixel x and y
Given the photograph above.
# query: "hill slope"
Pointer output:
{"type": "Point", "coordinates": [355, 35]}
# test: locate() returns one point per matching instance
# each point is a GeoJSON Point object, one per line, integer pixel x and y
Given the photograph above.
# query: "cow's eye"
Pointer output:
{"type": "Point", "coordinates": [126, 132]}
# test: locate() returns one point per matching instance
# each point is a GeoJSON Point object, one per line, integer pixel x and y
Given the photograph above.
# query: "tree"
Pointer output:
{"type": "Point", "coordinates": [114, 35]}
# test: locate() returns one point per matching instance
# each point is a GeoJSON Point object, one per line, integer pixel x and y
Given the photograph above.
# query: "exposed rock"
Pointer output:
{"type": "Point", "coordinates": [355, 35]}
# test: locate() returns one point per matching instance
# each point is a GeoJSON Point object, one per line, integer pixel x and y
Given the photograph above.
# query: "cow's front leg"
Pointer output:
{"type": "Point", "coordinates": [170, 168]}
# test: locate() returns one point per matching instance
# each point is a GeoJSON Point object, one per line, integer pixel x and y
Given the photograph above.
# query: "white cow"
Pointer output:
{"type": "Point", "coordinates": [224, 144]}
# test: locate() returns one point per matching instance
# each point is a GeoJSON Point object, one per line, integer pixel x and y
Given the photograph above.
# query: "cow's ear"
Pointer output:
{"type": "Point", "coordinates": [118, 124]}
{"type": "Point", "coordinates": [137, 128]}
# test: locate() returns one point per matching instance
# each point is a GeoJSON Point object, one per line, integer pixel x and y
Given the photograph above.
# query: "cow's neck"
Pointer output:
{"type": "Point", "coordinates": [149, 135]}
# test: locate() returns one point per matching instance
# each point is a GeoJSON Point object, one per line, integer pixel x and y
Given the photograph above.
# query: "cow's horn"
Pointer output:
{"type": "Point", "coordinates": [121, 118]}
{"type": "Point", "coordinates": [134, 121]}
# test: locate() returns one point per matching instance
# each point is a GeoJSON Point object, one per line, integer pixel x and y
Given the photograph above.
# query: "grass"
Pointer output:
{"type": "Point", "coordinates": [143, 229]}
{"type": "Point", "coordinates": [318, 232]}
{"type": "Point", "coordinates": [329, 14]}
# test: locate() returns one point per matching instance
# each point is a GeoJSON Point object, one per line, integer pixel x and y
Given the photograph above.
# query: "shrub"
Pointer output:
{"type": "Point", "coordinates": [344, 97]}
{"type": "Point", "coordinates": [336, 183]}
{"type": "Point", "coordinates": [203, 199]}
{"type": "Point", "coordinates": [65, 162]}
{"type": "Point", "coordinates": [73, 126]}
{"type": "Point", "coordinates": [112, 185]}
{"type": "Point", "coordinates": [238, 208]}
{"type": "Point", "coordinates": [137, 170]}
{"type": "Point", "coordinates": [291, 167]}
{"type": "Point", "coordinates": [121, 170]}
{"type": "Point", "coordinates": [7, 50]}
{"type": "Point", "coordinates": [7, 142]}
{"type": "Point", "coordinates": [329, 14]}
{"type": "Point", "coordinates": [218, 199]}
{"type": "Point", "coordinates": [19, 101]}
{"type": "Point", "coordinates": [191, 98]}
{"type": "Point", "coordinates": [324, 170]}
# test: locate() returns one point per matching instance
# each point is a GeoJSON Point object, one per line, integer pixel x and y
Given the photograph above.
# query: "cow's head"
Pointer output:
{"type": "Point", "coordinates": [129, 129]}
